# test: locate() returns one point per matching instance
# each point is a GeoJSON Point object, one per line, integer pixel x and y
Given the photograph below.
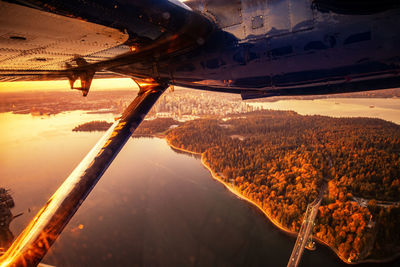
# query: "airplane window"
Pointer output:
{"type": "Point", "coordinates": [315, 45]}
{"type": "Point", "coordinates": [252, 56]}
{"type": "Point", "coordinates": [332, 40]}
{"type": "Point", "coordinates": [186, 67]}
{"type": "Point", "coordinates": [281, 51]}
{"type": "Point", "coordinates": [238, 57]}
{"type": "Point", "coordinates": [359, 37]}
{"type": "Point", "coordinates": [213, 63]}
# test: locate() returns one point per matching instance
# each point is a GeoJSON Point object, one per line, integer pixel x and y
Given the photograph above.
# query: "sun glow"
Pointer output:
{"type": "Point", "coordinates": [97, 84]}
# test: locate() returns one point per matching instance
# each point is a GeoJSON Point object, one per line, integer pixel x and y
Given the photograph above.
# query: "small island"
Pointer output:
{"type": "Point", "coordinates": [93, 126]}
{"type": "Point", "coordinates": [153, 127]}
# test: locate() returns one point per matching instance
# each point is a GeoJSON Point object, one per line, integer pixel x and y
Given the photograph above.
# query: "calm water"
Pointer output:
{"type": "Point", "coordinates": [153, 207]}
{"type": "Point", "coordinates": [382, 108]}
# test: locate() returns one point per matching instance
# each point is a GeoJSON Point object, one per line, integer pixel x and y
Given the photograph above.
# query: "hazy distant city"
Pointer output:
{"type": "Point", "coordinates": [181, 104]}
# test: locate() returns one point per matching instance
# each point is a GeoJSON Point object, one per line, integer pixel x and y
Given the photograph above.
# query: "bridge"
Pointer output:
{"type": "Point", "coordinates": [305, 232]}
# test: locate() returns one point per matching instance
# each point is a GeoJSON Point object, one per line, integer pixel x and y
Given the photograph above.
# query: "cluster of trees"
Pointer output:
{"type": "Point", "coordinates": [156, 126]}
{"type": "Point", "coordinates": [284, 158]}
{"type": "Point", "coordinates": [146, 128]}
{"type": "Point", "coordinates": [346, 226]}
{"type": "Point", "coordinates": [93, 126]}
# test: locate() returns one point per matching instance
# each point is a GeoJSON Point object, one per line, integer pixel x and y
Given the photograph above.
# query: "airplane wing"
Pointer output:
{"type": "Point", "coordinates": [42, 40]}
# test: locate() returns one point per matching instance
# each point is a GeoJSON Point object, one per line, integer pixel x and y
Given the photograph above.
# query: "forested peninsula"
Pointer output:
{"type": "Point", "coordinates": [279, 160]}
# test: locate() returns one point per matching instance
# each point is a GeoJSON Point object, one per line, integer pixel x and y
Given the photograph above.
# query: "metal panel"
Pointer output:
{"type": "Point", "coordinates": [257, 22]}
{"type": "Point", "coordinates": [31, 39]}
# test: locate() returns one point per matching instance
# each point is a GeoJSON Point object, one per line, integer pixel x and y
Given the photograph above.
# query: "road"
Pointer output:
{"type": "Point", "coordinates": [306, 229]}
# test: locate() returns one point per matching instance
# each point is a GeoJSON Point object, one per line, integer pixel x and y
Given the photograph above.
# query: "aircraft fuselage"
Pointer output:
{"type": "Point", "coordinates": [321, 53]}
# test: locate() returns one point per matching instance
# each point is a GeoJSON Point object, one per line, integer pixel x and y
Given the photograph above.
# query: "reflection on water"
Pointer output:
{"type": "Point", "coordinates": [382, 108]}
{"type": "Point", "coordinates": [153, 207]}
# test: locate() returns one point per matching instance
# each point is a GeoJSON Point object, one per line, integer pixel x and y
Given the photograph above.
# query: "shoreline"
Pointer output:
{"type": "Point", "coordinates": [216, 177]}
{"type": "Point", "coordinates": [181, 149]}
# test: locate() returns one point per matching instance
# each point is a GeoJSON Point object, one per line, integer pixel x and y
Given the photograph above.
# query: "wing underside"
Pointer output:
{"type": "Point", "coordinates": [42, 41]}
{"type": "Point", "coordinates": [36, 45]}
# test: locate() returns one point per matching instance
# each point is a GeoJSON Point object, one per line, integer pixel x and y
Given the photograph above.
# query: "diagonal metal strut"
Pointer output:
{"type": "Point", "coordinates": [34, 242]}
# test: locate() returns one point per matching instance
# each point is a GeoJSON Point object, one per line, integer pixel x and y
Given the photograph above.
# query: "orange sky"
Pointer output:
{"type": "Point", "coordinates": [99, 84]}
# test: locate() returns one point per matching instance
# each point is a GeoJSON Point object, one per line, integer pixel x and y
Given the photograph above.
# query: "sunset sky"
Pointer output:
{"type": "Point", "coordinates": [100, 84]}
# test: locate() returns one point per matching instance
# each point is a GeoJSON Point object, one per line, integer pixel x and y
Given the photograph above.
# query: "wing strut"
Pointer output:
{"type": "Point", "coordinates": [33, 243]}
